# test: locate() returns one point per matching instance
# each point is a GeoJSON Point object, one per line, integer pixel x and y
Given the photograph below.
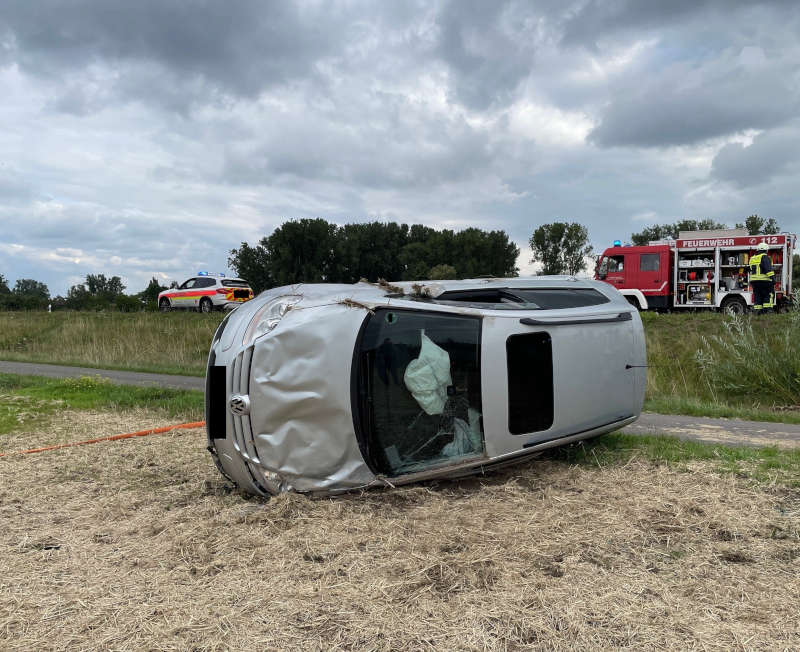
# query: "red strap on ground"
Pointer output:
{"type": "Point", "coordinates": [127, 435]}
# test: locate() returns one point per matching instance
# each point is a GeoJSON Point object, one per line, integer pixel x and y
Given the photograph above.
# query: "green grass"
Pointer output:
{"type": "Point", "coordinates": [178, 343]}
{"type": "Point", "coordinates": [764, 465]}
{"type": "Point", "coordinates": [174, 343]}
{"type": "Point", "coordinates": [678, 384]}
{"type": "Point", "coordinates": [695, 407]}
{"type": "Point", "coordinates": [29, 399]}
{"type": "Point", "coordinates": [25, 400]}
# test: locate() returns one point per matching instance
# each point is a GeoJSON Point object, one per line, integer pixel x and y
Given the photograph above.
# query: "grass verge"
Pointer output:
{"type": "Point", "coordinates": [695, 407]}
{"type": "Point", "coordinates": [763, 465]}
{"type": "Point", "coordinates": [30, 399]}
{"type": "Point", "coordinates": [178, 343]}
{"type": "Point", "coordinates": [175, 343]}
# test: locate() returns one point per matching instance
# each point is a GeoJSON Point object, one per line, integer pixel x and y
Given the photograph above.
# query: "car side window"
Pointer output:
{"type": "Point", "coordinates": [419, 389]}
{"type": "Point", "coordinates": [649, 262]}
{"type": "Point", "coordinates": [205, 282]}
{"type": "Point", "coordinates": [616, 263]}
{"type": "Point", "coordinates": [187, 284]}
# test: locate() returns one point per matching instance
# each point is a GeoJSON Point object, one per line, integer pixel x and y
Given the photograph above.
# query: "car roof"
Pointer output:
{"type": "Point", "coordinates": [380, 291]}
{"type": "Point", "coordinates": [216, 277]}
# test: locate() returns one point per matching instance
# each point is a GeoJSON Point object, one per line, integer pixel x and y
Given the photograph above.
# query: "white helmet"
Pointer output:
{"type": "Point", "coordinates": [762, 246]}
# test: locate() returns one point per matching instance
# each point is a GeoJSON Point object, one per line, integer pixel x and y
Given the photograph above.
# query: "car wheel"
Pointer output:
{"type": "Point", "coordinates": [164, 306]}
{"type": "Point", "coordinates": [205, 305]}
{"type": "Point", "coordinates": [734, 306]}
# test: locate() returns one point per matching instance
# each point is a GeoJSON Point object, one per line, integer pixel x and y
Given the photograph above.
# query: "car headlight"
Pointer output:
{"type": "Point", "coordinates": [268, 316]}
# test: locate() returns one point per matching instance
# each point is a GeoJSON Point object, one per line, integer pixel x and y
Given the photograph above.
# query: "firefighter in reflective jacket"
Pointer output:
{"type": "Point", "coordinates": [762, 280]}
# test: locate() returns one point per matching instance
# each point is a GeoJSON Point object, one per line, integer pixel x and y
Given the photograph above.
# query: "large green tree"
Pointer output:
{"type": "Point", "coordinates": [149, 296]}
{"type": "Point", "coordinates": [100, 286]}
{"type": "Point", "coordinates": [303, 251]}
{"type": "Point", "coordinates": [29, 294]}
{"type": "Point", "coordinates": [442, 272]}
{"type": "Point", "coordinates": [99, 292]}
{"type": "Point", "coordinates": [561, 247]}
{"type": "Point", "coordinates": [369, 250]}
{"type": "Point", "coordinates": [315, 250]}
{"type": "Point", "coordinates": [4, 289]}
{"type": "Point", "coordinates": [670, 231]}
{"type": "Point", "coordinates": [251, 264]}
{"type": "Point", "coordinates": [480, 253]}
{"type": "Point", "coordinates": [757, 225]}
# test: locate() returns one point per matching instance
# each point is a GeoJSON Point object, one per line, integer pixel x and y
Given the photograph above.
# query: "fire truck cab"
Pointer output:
{"type": "Point", "coordinates": [701, 269]}
{"type": "Point", "coordinates": [642, 274]}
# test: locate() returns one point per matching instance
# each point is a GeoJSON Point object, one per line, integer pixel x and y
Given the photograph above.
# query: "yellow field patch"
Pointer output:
{"type": "Point", "coordinates": [141, 544]}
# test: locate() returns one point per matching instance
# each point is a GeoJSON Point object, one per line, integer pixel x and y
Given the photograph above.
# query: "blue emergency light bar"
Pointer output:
{"type": "Point", "coordinates": [617, 243]}
{"type": "Point", "coordinates": [221, 274]}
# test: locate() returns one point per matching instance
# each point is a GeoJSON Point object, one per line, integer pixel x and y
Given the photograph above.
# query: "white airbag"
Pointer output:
{"type": "Point", "coordinates": [428, 376]}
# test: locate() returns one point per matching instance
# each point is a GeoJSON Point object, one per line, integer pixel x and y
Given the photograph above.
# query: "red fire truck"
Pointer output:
{"type": "Point", "coordinates": [701, 269]}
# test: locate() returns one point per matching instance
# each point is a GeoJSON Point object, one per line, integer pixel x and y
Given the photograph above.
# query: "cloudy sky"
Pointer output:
{"type": "Point", "coordinates": [148, 138]}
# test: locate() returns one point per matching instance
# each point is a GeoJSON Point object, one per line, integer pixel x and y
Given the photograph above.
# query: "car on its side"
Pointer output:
{"type": "Point", "coordinates": [206, 292]}
{"type": "Point", "coordinates": [328, 388]}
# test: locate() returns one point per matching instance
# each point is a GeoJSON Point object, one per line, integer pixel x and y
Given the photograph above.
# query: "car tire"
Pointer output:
{"type": "Point", "coordinates": [205, 305]}
{"type": "Point", "coordinates": [734, 306]}
{"type": "Point", "coordinates": [164, 305]}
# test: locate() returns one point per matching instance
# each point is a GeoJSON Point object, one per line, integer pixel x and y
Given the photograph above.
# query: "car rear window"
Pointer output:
{"type": "Point", "coordinates": [235, 283]}
{"type": "Point", "coordinates": [524, 298]}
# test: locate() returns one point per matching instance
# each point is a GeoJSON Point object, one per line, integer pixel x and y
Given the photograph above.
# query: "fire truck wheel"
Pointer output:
{"type": "Point", "coordinates": [164, 306]}
{"type": "Point", "coordinates": [734, 306]}
{"type": "Point", "coordinates": [634, 302]}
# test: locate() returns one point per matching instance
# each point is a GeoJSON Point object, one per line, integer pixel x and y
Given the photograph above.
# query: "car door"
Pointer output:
{"type": "Point", "coordinates": [617, 271]}
{"type": "Point", "coordinates": [651, 279]}
{"type": "Point", "coordinates": [184, 296]}
{"type": "Point", "coordinates": [203, 288]}
{"type": "Point", "coordinates": [551, 374]}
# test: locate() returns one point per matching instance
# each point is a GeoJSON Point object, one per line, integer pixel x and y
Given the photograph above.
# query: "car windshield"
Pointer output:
{"type": "Point", "coordinates": [419, 390]}
{"type": "Point", "coordinates": [523, 298]}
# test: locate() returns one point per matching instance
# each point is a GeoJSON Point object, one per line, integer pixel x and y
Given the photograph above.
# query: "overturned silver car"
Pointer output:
{"type": "Point", "coordinates": [328, 388]}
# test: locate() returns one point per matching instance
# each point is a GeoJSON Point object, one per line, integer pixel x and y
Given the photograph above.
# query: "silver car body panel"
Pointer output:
{"type": "Point", "coordinates": [300, 433]}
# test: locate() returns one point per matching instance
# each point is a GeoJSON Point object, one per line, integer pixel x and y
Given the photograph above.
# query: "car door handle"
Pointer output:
{"type": "Point", "coordinates": [530, 321]}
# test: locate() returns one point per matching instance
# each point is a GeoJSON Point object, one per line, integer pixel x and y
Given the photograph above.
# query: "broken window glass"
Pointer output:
{"type": "Point", "coordinates": [419, 390]}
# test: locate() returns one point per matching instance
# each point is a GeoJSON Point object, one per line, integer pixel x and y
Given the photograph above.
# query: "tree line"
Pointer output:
{"type": "Point", "coordinates": [755, 225]}
{"type": "Point", "coordinates": [317, 251]}
{"type": "Point", "coordinates": [97, 292]}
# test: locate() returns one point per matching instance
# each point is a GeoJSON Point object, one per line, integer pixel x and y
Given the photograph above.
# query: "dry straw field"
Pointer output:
{"type": "Point", "coordinates": [140, 544]}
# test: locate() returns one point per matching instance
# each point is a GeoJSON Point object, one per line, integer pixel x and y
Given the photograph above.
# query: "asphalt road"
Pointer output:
{"type": "Point", "coordinates": [733, 432]}
{"type": "Point", "coordinates": [122, 377]}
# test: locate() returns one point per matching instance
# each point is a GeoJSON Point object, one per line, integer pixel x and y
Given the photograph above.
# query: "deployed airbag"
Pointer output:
{"type": "Point", "coordinates": [428, 376]}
